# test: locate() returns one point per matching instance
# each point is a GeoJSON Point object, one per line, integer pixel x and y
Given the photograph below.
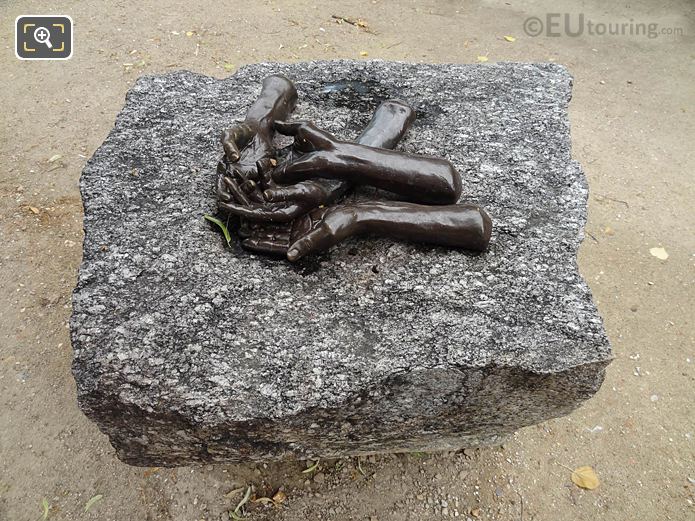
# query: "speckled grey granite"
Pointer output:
{"type": "Point", "coordinates": [188, 352]}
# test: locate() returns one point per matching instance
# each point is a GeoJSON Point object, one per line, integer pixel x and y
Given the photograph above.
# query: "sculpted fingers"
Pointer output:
{"type": "Point", "coordinates": [259, 212]}
{"type": "Point", "coordinates": [307, 136]}
{"type": "Point", "coordinates": [239, 195]}
{"type": "Point", "coordinates": [264, 246]}
{"type": "Point", "coordinates": [222, 191]}
{"type": "Point", "coordinates": [234, 139]}
{"type": "Point", "coordinates": [268, 238]}
{"type": "Point", "coordinates": [318, 239]}
{"type": "Point", "coordinates": [307, 192]}
{"type": "Point", "coordinates": [240, 210]}
{"type": "Point", "coordinates": [304, 167]}
{"type": "Point", "coordinates": [287, 128]}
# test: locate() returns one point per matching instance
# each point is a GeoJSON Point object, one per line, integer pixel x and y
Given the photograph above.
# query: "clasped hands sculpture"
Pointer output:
{"type": "Point", "coordinates": [292, 206]}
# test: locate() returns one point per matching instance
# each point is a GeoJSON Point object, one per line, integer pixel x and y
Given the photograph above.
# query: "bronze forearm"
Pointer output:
{"type": "Point", "coordinates": [458, 226]}
{"type": "Point", "coordinates": [275, 102]}
{"type": "Point", "coordinates": [423, 179]}
{"type": "Point", "coordinates": [387, 127]}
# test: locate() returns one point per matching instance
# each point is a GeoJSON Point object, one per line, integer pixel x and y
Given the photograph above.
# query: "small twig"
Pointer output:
{"type": "Point", "coordinates": [359, 23]}
{"type": "Point", "coordinates": [432, 13]}
{"type": "Point", "coordinates": [350, 21]}
{"type": "Point", "coordinates": [614, 200]}
{"type": "Point", "coordinates": [521, 498]}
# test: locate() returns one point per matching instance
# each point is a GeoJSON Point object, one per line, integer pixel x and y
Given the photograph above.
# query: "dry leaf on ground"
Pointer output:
{"type": "Point", "coordinates": [234, 492]}
{"type": "Point", "coordinates": [279, 497]}
{"type": "Point", "coordinates": [585, 477]}
{"type": "Point", "coordinates": [150, 471]}
{"type": "Point", "coordinates": [311, 468]}
{"type": "Point", "coordinates": [659, 253]}
{"type": "Point", "coordinates": [92, 502]}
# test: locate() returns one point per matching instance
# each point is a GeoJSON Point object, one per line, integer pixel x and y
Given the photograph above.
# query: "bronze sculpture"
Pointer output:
{"type": "Point", "coordinates": [291, 206]}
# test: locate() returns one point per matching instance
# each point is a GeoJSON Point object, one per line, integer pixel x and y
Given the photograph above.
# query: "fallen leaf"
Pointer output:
{"type": "Point", "coordinates": [33, 210]}
{"type": "Point", "coordinates": [46, 508]}
{"type": "Point", "coordinates": [150, 471]}
{"type": "Point", "coordinates": [228, 66]}
{"type": "Point", "coordinates": [364, 53]}
{"type": "Point", "coordinates": [55, 158]}
{"type": "Point", "coordinates": [483, 59]}
{"type": "Point", "coordinates": [359, 467]}
{"type": "Point", "coordinates": [234, 514]}
{"type": "Point", "coordinates": [510, 38]}
{"type": "Point", "coordinates": [222, 227]}
{"type": "Point", "coordinates": [585, 477]}
{"type": "Point", "coordinates": [659, 253]}
{"type": "Point", "coordinates": [233, 492]}
{"type": "Point", "coordinates": [311, 468]}
{"type": "Point", "coordinates": [93, 501]}
{"type": "Point", "coordinates": [279, 497]}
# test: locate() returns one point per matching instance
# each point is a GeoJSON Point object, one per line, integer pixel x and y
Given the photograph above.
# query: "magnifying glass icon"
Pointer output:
{"type": "Point", "coordinates": [42, 35]}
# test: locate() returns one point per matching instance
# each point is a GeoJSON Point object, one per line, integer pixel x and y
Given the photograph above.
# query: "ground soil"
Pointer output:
{"type": "Point", "coordinates": [632, 128]}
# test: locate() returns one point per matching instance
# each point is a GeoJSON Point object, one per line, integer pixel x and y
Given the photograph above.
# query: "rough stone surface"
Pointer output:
{"type": "Point", "coordinates": [187, 352]}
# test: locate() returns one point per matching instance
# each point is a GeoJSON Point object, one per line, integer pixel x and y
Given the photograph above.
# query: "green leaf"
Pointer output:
{"type": "Point", "coordinates": [92, 502]}
{"type": "Point", "coordinates": [222, 226]}
{"type": "Point", "coordinates": [46, 507]}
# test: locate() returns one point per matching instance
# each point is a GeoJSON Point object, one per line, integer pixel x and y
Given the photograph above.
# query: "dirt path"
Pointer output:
{"type": "Point", "coordinates": [632, 127]}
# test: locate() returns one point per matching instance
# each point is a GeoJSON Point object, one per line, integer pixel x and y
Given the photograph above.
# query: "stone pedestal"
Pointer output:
{"type": "Point", "coordinates": [188, 351]}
